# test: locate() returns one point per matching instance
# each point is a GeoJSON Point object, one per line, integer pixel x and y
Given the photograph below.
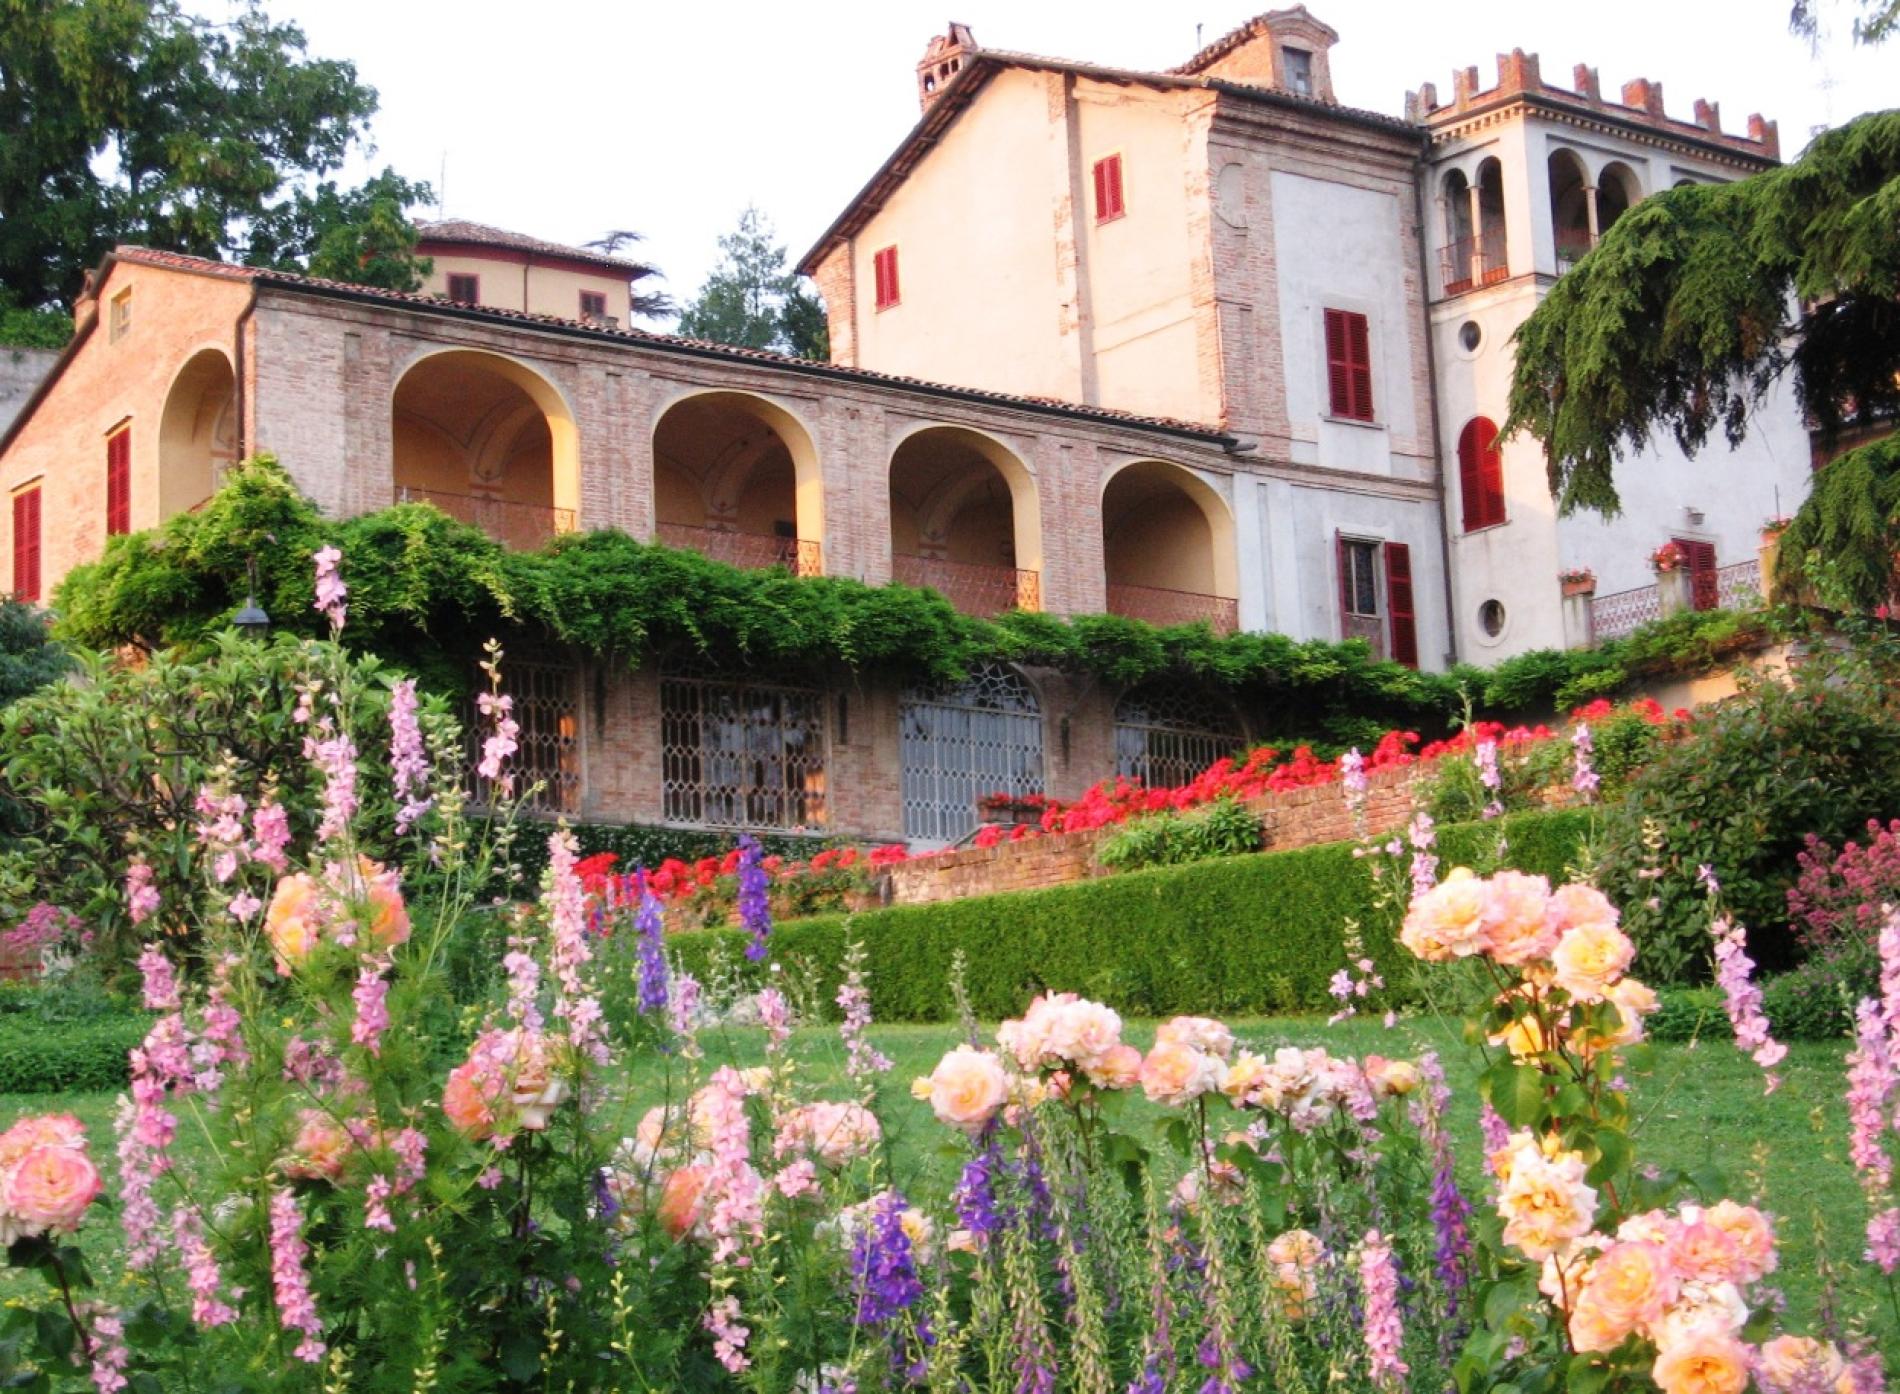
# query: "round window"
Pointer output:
{"type": "Point", "coordinates": [1470, 336]}
{"type": "Point", "coordinates": [1491, 618]}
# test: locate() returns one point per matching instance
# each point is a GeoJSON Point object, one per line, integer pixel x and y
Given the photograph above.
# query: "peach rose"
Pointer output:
{"type": "Point", "coordinates": [967, 1089]}
{"type": "Point", "coordinates": [1578, 904]}
{"type": "Point", "coordinates": [1703, 1251]}
{"type": "Point", "coordinates": [320, 1148]}
{"type": "Point", "coordinates": [1791, 1363]}
{"type": "Point", "coordinates": [1632, 1284]}
{"type": "Point", "coordinates": [294, 921]}
{"type": "Point", "coordinates": [1246, 1075]}
{"type": "Point", "coordinates": [1081, 1032]}
{"type": "Point", "coordinates": [836, 1133]}
{"type": "Point", "coordinates": [1753, 1235]}
{"type": "Point", "coordinates": [381, 887]}
{"type": "Point", "coordinates": [1175, 1073]}
{"type": "Point", "coordinates": [1634, 1001]}
{"type": "Point", "coordinates": [1391, 1079]}
{"type": "Point", "coordinates": [1293, 1257]}
{"type": "Point", "coordinates": [50, 1189]}
{"type": "Point", "coordinates": [1543, 1199]}
{"type": "Point", "coordinates": [1589, 958]}
{"type": "Point", "coordinates": [1518, 926]}
{"type": "Point", "coordinates": [1594, 1327]}
{"type": "Point", "coordinates": [1199, 1032]}
{"type": "Point", "coordinates": [1704, 1362]}
{"type": "Point", "coordinates": [469, 1097]}
{"type": "Point", "coordinates": [680, 1197]}
{"type": "Point", "coordinates": [1447, 921]}
{"type": "Point", "coordinates": [1117, 1068]}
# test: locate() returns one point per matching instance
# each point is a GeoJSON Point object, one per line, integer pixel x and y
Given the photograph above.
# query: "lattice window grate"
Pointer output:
{"type": "Point", "coordinates": [547, 707]}
{"type": "Point", "coordinates": [984, 737]}
{"type": "Point", "coordinates": [741, 755]}
{"type": "Point", "coordinates": [1165, 737]}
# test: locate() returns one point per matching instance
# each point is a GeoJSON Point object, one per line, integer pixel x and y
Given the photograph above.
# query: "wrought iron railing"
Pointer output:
{"type": "Point", "coordinates": [741, 755]}
{"type": "Point", "coordinates": [1473, 261]}
{"type": "Point", "coordinates": [523, 526]}
{"type": "Point", "coordinates": [1616, 614]}
{"type": "Point", "coordinates": [754, 551]}
{"type": "Point", "coordinates": [973, 588]}
{"type": "Point", "coordinates": [545, 770]}
{"type": "Point", "coordinates": [1159, 605]}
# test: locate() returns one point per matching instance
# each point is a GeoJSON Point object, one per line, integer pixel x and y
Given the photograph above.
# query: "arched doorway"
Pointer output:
{"type": "Point", "coordinates": [736, 478]}
{"type": "Point", "coordinates": [197, 435]}
{"type": "Point", "coordinates": [1459, 246]}
{"type": "Point", "coordinates": [1168, 548]}
{"type": "Point", "coordinates": [1493, 252]}
{"type": "Point", "coordinates": [984, 737]}
{"type": "Point", "coordinates": [965, 521]}
{"type": "Point", "coordinates": [1618, 191]}
{"type": "Point", "coordinates": [1166, 736]}
{"type": "Point", "coordinates": [490, 441]}
{"type": "Point", "coordinates": [1572, 212]}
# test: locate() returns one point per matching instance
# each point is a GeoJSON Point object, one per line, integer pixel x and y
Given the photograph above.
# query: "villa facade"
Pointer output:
{"type": "Point", "coordinates": [1238, 357]}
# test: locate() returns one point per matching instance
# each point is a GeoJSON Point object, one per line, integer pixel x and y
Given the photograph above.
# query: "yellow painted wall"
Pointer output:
{"type": "Point", "coordinates": [769, 498]}
{"type": "Point", "coordinates": [548, 290]}
{"type": "Point", "coordinates": [1164, 542]}
{"type": "Point", "coordinates": [983, 534]}
{"type": "Point", "coordinates": [676, 498]}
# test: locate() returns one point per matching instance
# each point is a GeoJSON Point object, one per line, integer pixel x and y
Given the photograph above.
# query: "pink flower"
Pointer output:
{"type": "Point", "coordinates": [1384, 1331]}
{"type": "Point", "coordinates": [331, 592]}
{"type": "Point", "coordinates": [775, 1015]}
{"type": "Point", "coordinates": [290, 1284]}
{"type": "Point", "coordinates": [498, 709]}
{"type": "Point", "coordinates": [334, 754]}
{"type": "Point", "coordinates": [161, 981]}
{"type": "Point", "coordinates": [201, 1270]}
{"type": "Point", "coordinates": [220, 827]}
{"type": "Point", "coordinates": [109, 1354]}
{"type": "Point", "coordinates": [49, 1189]}
{"type": "Point", "coordinates": [376, 1205]}
{"type": "Point", "coordinates": [729, 1333]}
{"type": "Point", "coordinates": [408, 762]}
{"type": "Point", "coordinates": [1742, 999]}
{"type": "Point", "coordinates": [568, 954]}
{"type": "Point", "coordinates": [862, 1059]}
{"type": "Point", "coordinates": [142, 899]}
{"type": "Point", "coordinates": [736, 1215]}
{"type": "Point", "coordinates": [371, 996]}
{"type": "Point", "coordinates": [270, 835]}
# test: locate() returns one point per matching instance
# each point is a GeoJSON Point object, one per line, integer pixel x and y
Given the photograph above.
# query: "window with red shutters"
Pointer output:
{"type": "Point", "coordinates": [1399, 604]}
{"type": "Point", "coordinates": [1699, 562]}
{"type": "Point", "coordinates": [465, 289]}
{"type": "Point", "coordinates": [26, 545]}
{"type": "Point", "coordinates": [119, 482]}
{"type": "Point", "coordinates": [1349, 365]}
{"type": "Point", "coordinates": [1481, 474]}
{"type": "Point", "coordinates": [884, 270]}
{"type": "Point", "coordinates": [1108, 189]}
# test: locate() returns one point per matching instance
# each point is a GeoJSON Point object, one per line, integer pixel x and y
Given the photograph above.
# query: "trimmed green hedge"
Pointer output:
{"type": "Point", "coordinates": [47, 1057]}
{"type": "Point", "coordinates": [1250, 934]}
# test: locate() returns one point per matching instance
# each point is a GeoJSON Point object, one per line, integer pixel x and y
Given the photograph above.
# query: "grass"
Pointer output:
{"type": "Point", "coordinates": [1702, 1106]}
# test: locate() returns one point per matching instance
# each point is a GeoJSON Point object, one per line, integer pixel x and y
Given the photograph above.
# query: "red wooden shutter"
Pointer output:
{"type": "Point", "coordinates": [26, 545]}
{"type": "Point", "coordinates": [1398, 602]}
{"type": "Point", "coordinates": [1699, 558]}
{"type": "Point", "coordinates": [1108, 189]}
{"type": "Point", "coordinates": [1349, 365]}
{"type": "Point", "coordinates": [1344, 563]}
{"type": "Point", "coordinates": [884, 265]}
{"type": "Point", "coordinates": [119, 482]}
{"type": "Point", "coordinates": [1480, 474]}
{"type": "Point", "coordinates": [1491, 473]}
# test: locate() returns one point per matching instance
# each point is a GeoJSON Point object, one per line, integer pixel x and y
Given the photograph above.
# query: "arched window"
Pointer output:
{"type": "Point", "coordinates": [1167, 735]}
{"type": "Point", "coordinates": [984, 737]}
{"type": "Point", "coordinates": [1481, 474]}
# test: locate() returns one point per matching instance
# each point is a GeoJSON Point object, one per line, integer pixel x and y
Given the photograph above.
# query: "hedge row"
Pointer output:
{"type": "Point", "coordinates": [41, 1057]}
{"type": "Point", "coordinates": [1260, 933]}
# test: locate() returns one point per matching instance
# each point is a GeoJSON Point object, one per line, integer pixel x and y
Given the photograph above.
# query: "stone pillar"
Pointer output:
{"type": "Point", "coordinates": [1675, 591]}
{"type": "Point", "coordinates": [1768, 557]}
{"type": "Point", "coordinates": [1578, 598]}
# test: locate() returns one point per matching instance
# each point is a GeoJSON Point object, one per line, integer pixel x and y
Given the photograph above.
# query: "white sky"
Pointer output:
{"type": "Point", "coordinates": [565, 118]}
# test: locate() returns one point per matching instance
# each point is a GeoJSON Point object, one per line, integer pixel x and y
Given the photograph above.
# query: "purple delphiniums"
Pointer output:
{"type": "Point", "coordinates": [975, 1194]}
{"type": "Point", "coordinates": [1583, 778]}
{"type": "Point", "coordinates": [649, 925]}
{"type": "Point", "coordinates": [884, 1276]}
{"type": "Point", "coordinates": [755, 907]}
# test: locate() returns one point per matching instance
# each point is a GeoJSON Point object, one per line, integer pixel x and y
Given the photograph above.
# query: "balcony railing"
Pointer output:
{"type": "Point", "coordinates": [1738, 587]}
{"type": "Point", "coordinates": [1473, 261]}
{"type": "Point", "coordinates": [754, 551]}
{"type": "Point", "coordinates": [1572, 243]}
{"type": "Point", "coordinates": [1616, 614]}
{"type": "Point", "coordinates": [973, 588]}
{"type": "Point", "coordinates": [522, 526]}
{"type": "Point", "coordinates": [1158, 605]}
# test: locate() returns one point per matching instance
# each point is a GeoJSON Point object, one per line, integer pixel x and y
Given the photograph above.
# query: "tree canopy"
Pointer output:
{"type": "Point", "coordinates": [1702, 298]}
{"type": "Point", "coordinates": [752, 300]}
{"type": "Point", "coordinates": [648, 302]}
{"type": "Point", "coordinates": [130, 120]}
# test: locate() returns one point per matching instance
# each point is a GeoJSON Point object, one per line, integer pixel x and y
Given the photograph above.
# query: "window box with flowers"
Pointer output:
{"type": "Point", "coordinates": [1667, 558]}
{"type": "Point", "coordinates": [1578, 581]}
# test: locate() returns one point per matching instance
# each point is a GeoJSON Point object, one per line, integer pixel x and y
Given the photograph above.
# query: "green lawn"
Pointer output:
{"type": "Point", "coordinates": [1702, 1104]}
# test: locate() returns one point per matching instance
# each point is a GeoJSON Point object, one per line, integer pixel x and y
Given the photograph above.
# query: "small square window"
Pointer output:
{"type": "Point", "coordinates": [593, 304]}
{"type": "Point", "coordinates": [465, 289]}
{"type": "Point", "coordinates": [121, 314]}
{"type": "Point", "coordinates": [1297, 63]}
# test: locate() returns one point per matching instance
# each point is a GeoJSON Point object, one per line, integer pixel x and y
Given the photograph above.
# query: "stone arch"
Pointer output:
{"type": "Point", "coordinates": [489, 440]}
{"type": "Point", "coordinates": [1455, 194]}
{"type": "Point", "coordinates": [1491, 233]}
{"type": "Point", "coordinates": [1572, 220]}
{"type": "Point", "coordinates": [1619, 189]}
{"type": "Point", "coordinates": [1168, 546]}
{"type": "Point", "coordinates": [753, 468]}
{"type": "Point", "coordinates": [197, 431]}
{"type": "Point", "coordinates": [965, 518]}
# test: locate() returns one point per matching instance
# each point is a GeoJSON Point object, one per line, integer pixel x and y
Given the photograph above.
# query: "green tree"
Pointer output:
{"type": "Point", "coordinates": [648, 303]}
{"type": "Point", "coordinates": [29, 659]}
{"type": "Point", "coordinates": [1700, 300]}
{"type": "Point", "coordinates": [1876, 22]}
{"type": "Point", "coordinates": [363, 235]}
{"type": "Point", "coordinates": [752, 300]}
{"type": "Point", "coordinates": [129, 120]}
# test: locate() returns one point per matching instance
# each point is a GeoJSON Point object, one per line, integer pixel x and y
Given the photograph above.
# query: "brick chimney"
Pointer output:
{"type": "Point", "coordinates": [1583, 77]}
{"type": "Point", "coordinates": [1708, 115]}
{"type": "Point", "coordinates": [1640, 94]}
{"type": "Point", "coordinates": [1765, 134]}
{"type": "Point", "coordinates": [1518, 72]}
{"type": "Point", "coordinates": [943, 59]}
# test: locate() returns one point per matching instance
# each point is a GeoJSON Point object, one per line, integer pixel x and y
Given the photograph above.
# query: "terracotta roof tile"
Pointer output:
{"type": "Point", "coordinates": [178, 261]}
{"type": "Point", "coordinates": [462, 230]}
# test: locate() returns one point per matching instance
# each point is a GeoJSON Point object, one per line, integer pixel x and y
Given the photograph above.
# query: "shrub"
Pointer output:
{"type": "Point", "coordinates": [1257, 933]}
{"type": "Point", "coordinates": [1740, 795]}
{"type": "Point", "coordinates": [1840, 896]}
{"type": "Point", "coordinates": [87, 1054]}
{"type": "Point", "coordinates": [1688, 1013]}
{"type": "Point", "coordinates": [1225, 828]}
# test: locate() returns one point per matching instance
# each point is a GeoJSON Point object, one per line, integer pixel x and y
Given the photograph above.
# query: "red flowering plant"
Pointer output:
{"type": "Point", "coordinates": [1668, 557]}
{"type": "Point", "coordinates": [704, 893]}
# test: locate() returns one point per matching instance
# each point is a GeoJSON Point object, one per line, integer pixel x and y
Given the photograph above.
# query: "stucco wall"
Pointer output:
{"type": "Point", "coordinates": [510, 282]}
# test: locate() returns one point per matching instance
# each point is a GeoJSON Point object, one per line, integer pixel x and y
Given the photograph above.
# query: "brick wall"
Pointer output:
{"type": "Point", "coordinates": [1293, 818]}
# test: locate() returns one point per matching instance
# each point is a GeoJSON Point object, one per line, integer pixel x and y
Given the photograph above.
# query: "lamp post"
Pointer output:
{"type": "Point", "coordinates": [252, 619]}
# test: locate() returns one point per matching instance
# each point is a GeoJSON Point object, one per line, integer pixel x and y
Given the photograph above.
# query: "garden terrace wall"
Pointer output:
{"type": "Point", "coordinates": [1250, 934]}
{"type": "Point", "coordinates": [1292, 818]}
